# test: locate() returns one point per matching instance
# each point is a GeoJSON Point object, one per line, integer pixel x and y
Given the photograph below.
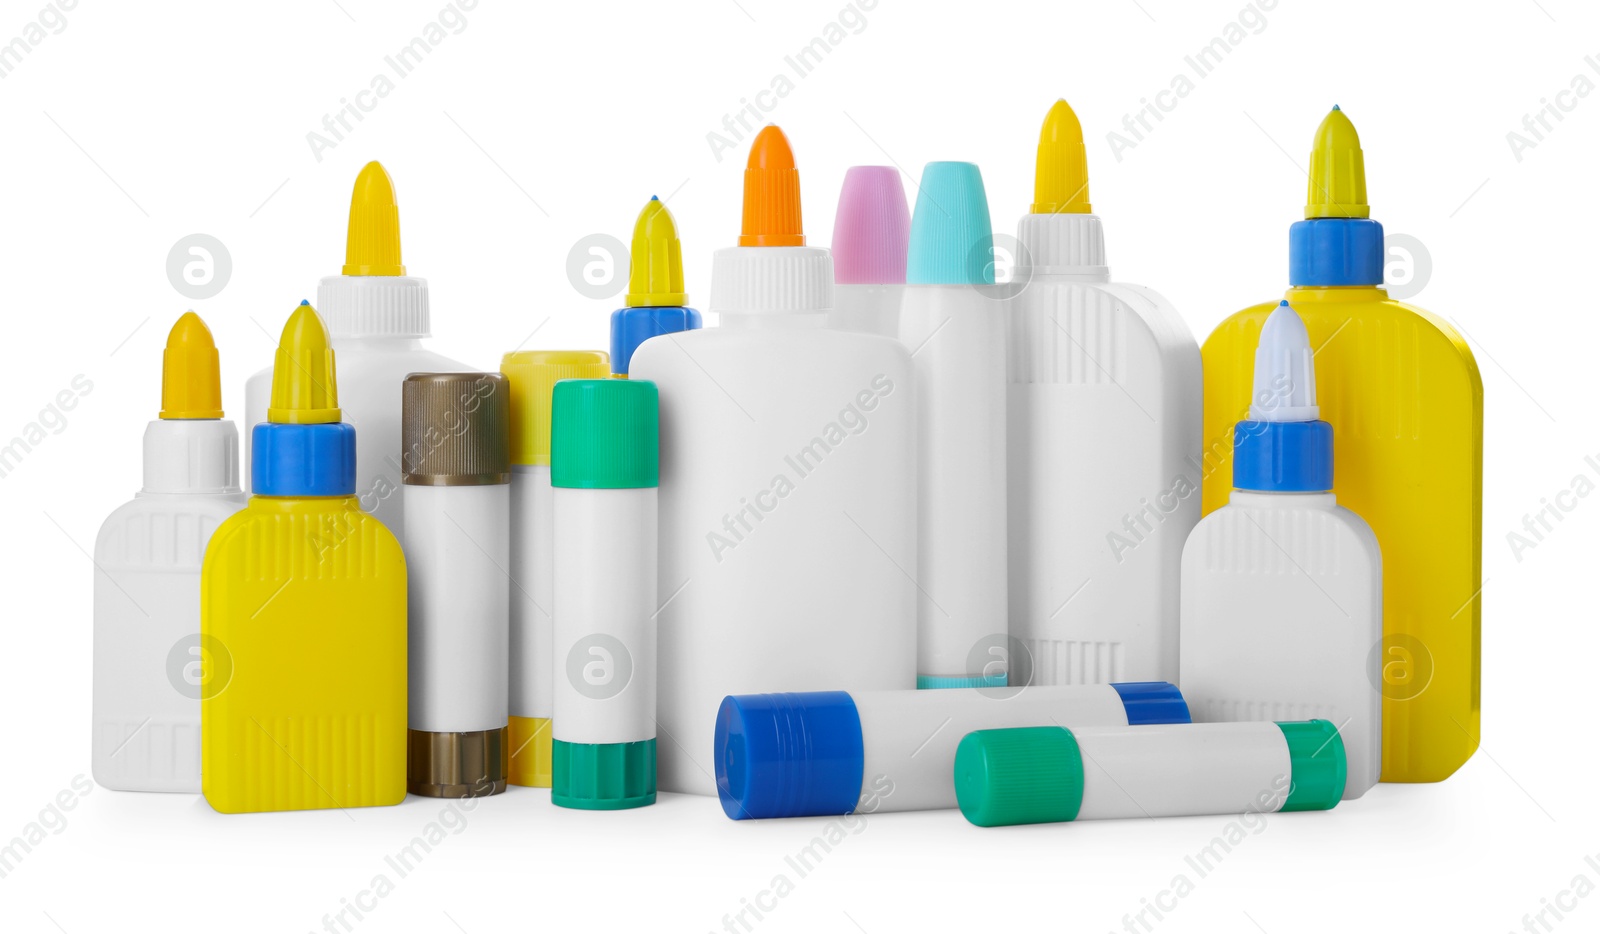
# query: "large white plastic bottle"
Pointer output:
{"type": "Point", "coordinates": [955, 331]}
{"type": "Point", "coordinates": [788, 487]}
{"type": "Point", "coordinates": [1282, 587]}
{"type": "Point", "coordinates": [150, 664]}
{"type": "Point", "coordinates": [1104, 438]}
{"type": "Point", "coordinates": [377, 317]}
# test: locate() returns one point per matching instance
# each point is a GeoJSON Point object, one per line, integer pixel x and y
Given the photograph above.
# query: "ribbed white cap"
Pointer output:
{"type": "Point", "coordinates": [373, 306]}
{"type": "Point", "coordinates": [1062, 244]}
{"type": "Point", "coordinates": [191, 455]}
{"type": "Point", "coordinates": [771, 280]}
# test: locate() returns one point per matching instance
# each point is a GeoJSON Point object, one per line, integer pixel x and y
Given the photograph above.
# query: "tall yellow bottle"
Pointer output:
{"type": "Point", "coordinates": [305, 595]}
{"type": "Point", "coordinates": [1405, 399]}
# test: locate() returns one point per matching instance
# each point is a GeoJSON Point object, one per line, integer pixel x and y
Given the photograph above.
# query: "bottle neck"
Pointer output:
{"type": "Point", "coordinates": [191, 455]}
{"type": "Point", "coordinates": [1061, 247]}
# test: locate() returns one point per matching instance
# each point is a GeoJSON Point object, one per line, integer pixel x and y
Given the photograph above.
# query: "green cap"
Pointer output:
{"type": "Point", "coordinates": [1316, 765]}
{"type": "Point", "coordinates": [603, 776]}
{"type": "Point", "coordinates": [605, 434]}
{"type": "Point", "coordinates": [1030, 775]}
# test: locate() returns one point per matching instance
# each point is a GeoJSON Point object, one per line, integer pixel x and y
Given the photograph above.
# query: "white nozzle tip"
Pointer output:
{"type": "Point", "coordinates": [1285, 379]}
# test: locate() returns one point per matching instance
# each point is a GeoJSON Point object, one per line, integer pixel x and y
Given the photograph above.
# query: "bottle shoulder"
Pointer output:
{"type": "Point", "coordinates": [1309, 513]}
{"type": "Point", "coordinates": [779, 350]}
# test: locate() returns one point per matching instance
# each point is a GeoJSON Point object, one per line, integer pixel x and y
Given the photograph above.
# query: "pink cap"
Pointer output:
{"type": "Point", "coordinates": [871, 229]}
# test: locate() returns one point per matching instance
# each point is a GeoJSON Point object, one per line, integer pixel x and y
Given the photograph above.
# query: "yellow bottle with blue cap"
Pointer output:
{"type": "Point", "coordinates": [656, 303]}
{"type": "Point", "coordinates": [305, 597]}
{"type": "Point", "coordinates": [1402, 391]}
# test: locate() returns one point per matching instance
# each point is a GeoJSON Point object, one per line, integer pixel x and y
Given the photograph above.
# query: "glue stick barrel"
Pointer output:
{"type": "Point", "coordinates": [1049, 774]}
{"type": "Point", "coordinates": [531, 375]}
{"type": "Point", "coordinates": [831, 752]}
{"type": "Point", "coordinates": [604, 467]}
{"type": "Point", "coordinates": [456, 473]}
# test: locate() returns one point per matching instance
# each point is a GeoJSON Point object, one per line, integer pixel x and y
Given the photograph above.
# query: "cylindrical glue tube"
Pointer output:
{"type": "Point", "coordinates": [531, 375]}
{"type": "Point", "coordinates": [1045, 774]}
{"type": "Point", "coordinates": [456, 470]}
{"type": "Point", "coordinates": [605, 467]}
{"type": "Point", "coordinates": [829, 752]}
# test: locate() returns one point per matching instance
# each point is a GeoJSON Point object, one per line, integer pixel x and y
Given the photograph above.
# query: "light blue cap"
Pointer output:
{"type": "Point", "coordinates": [950, 232]}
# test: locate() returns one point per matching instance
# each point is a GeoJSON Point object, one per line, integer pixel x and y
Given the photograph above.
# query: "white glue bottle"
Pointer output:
{"type": "Point", "coordinates": [1282, 587]}
{"type": "Point", "coordinates": [1049, 774]}
{"type": "Point", "coordinates": [870, 230]}
{"type": "Point", "coordinates": [832, 752]}
{"type": "Point", "coordinates": [531, 374]}
{"type": "Point", "coordinates": [788, 485]}
{"type": "Point", "coordinates": [151, 666]}
{"type": "Point", "coordinates": [457, 478]}
{"type": "Point", "coordinates": [605, 470]}
{"type": "Point", "coordinates": [1104, 439]}
{"type": "Point", "coordinates": [377, 317]}
{"type": "Point", "coordinates": [955, 330]}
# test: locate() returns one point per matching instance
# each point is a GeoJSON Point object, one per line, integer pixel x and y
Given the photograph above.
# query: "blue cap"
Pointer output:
{"type": "Point", "coordinates": [951, 237]}
{"type": "Point", "coordinates": [631, 327]}
{"type": "Point", "coordinates": [303, 460]}
{"type": "Point", "coordinates": [788, 755]}
{"type": "Point", "coordinates": [1283, 457]}
{"type": "Point", "coordinates": [1328, 251]}
{"type": "Point", "coordinates": [1152, 702]}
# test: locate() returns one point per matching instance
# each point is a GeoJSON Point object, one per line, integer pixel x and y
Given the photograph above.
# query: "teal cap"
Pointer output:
{"type": "Point", "coordinates": [951, 237]}
{"type": "Point", "coordinates": [1316, 765]}
{"type": "Point", "coordinates": [605, 434]}
{"type": "Point", "coordinates": [603, 776]}
{"type": "Point", "coordinates": [1028, 775]}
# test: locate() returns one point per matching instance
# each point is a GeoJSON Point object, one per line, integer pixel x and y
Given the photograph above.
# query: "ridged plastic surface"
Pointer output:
{"type": "Point", "coordinates": [1405, 399]}
{"type": "Point", "coordinates": [871, 227]}
{"type": "Point", "coordinates": [756, 280]}
{"type": "Point", "coordinates": [605, 434]}
{"type": "Point", "coordinates": [1027, 775]}
{"type": "Point", "coordinates": [531, 374]}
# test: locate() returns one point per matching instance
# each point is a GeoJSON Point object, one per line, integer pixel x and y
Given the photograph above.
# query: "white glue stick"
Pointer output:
{"type": "Point", "coordinates": [605, 467]}
{"type": "Point", "coordinates": [1046, 774]}
{"type": "Point", "coordinates": [829, 752]}
{"type": "Point", "coordinates": [456, 471]}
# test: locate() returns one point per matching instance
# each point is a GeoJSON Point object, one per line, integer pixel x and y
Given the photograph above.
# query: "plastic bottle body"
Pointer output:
{"type": "Point", "coordinates": [532, 645]}
{"type": "Point", "coordinates": [1282, 609]}
{"type": "Point", "coordinates": [370, 373]}
{"type": "Point", "coordinates": [305, 598]}
{"type": "Point", "coordinates": [150, 664]}
{"type": "Point", "coordinates": [458, 541]}
{"type": "Point", "coordinates": [867, 309]}
{"type": "Point", "coordinates": [1104, 437]}
{"type": "Point", "coordinates": [957, 335]}
{"type": "Point", "coordinates": [605, 631]}
{"type": "Point", "coordinates": [1405, 399]}
{"type": "Point", "coordinates": [787, 483]}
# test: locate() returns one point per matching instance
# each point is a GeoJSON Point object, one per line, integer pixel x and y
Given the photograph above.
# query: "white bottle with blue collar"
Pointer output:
{"type": "Point", "coordinates": [1282, 588]}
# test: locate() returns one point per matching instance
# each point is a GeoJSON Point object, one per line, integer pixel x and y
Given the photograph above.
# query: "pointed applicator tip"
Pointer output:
{"type": "Point", "coordinates": [655, 268]}
{"type": "Point", "coordinates": [372, 246]}
{"type": "Point", "coordinates": [1061, 168]}
{"type": "Point", "coordinates": [771, 193]}
{"type": "Point", "coordinates": [1285, 387]}
{"type": "Point", "coordinates": [951, 237]}
{"type": "Point", "coordinates": [871, 227]}
{"type": "Point", "coordinates": [304, 386]}
{"type": "Point", "coordinates": [1338, 178]}
{"type": "Point", "coordinates": [191, 380]}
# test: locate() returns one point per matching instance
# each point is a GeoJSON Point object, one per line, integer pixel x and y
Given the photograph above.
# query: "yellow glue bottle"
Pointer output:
{"type": "Point", "coordinates": [1403, 394]}
{"type": "Point", "coordinates": [306, 596]}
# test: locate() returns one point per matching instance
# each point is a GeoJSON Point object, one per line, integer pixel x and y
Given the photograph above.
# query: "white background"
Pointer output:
{"type": "Point", "coordinates": [140, 124]}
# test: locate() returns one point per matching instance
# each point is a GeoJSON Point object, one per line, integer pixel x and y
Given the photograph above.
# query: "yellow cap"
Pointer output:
{"type": "Point", "coordinates": [372, 247]}
{"type": "Point", "coordinates": [1338, 186]}
{"type": "Point", "coordinates": [191, 381]}
{"type": "Point", "coordinates": [533, 375]}
{"type": "Point", "coordinates": [655, 269]}
{"type": "Point", "coordinates": [1061, 170]}
{"type": "Point", "coordinates": [304, 390]}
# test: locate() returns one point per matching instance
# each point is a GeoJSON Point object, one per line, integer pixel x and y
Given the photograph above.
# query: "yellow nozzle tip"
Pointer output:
{"type": "Point", "coordinates": [1061, 169]}
{"type": "Point", "coordinates": [372, 247]}
{"type": "Point", "coordinates": [655, 268]}
{"type": "Point", "coordinates": [304, 386]}
{"type": "Point", "coordinates": [191, 380]}
{"type": "Point", "coordinates": [1338, 178]}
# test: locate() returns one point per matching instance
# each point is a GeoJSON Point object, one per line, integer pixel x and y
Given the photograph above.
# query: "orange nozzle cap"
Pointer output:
{"type": "Point", "coordinates": [771, 193]}
{"type": "Point", "coordinates": [191, 384]}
